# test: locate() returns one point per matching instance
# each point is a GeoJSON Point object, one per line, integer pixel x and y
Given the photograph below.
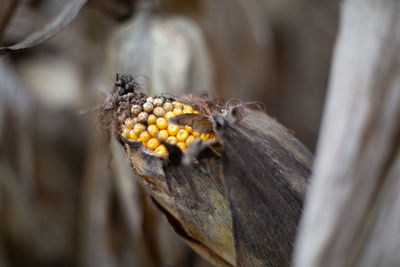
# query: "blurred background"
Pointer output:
{"type": "Point", "coordinates": [67, 196]}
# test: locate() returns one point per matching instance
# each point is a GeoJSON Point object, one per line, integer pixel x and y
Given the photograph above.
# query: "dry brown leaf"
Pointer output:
{"type": "Point", "coordinates": [55, 26]}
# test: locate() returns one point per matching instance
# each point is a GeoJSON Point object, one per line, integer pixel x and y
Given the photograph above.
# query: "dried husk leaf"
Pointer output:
{"type": "Point", "coordinates": [211, 238]}
{"type": "Point", "coordinates": [55, 26]}
{"type": "Point", "coordinates": [265, 171]}
{"type": "Point", "coordinates": [196, 184]}
{"type": "Point", "coordinates": [149, 168]}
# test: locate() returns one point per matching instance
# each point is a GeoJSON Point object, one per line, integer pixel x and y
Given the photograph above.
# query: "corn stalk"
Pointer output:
{"type": "Point", "coordinates": [352, 215]}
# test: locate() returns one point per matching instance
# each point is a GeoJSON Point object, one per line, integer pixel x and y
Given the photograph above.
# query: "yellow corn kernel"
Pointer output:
{"type": "Point", "coordinates": [177, 104]}
{"type": "Point", "coordinates": [161, 150]}
{"type": "Point", "coordinates": [159, 111]}
{"type": "Point", "coordinates": [144, 137]}
{"type": "Point", "coordinates": [139, 128]}
{"type": "Point", "coordinates": [196, 112]}
{"type": "Point", "coordinates": [149, 99]}
{"type": "Point", "coordinates": [153, 130]}
{"type": "Point", "coordinates": [162, 135]}
{"type": "Point", "coordinates": [125, 132]}
{"type": "Point", "coordinates": [162, 123]}
{"type": "Point", "coordinates": [168, 106]}
{"type": "Point", "coordinates": [204, 136]}
{"type": "Point", "coordinates": [153, 143]}
{"type": "Point", "coordinates": [152, 119]}
{"type": "Point", "coordinates": [169, 115]}
{"type": "Point", "coordinates": [190, 139]}
{"type": "Point", "coordinates": [173, 129]}
{"type": "Point", "coordinates": [181, 145]}
{"type": "Point", "coordinates": [182, 135]}
{"type": "Point", "coordinates": [196, 134]}
{"type": "Point", "coordinates": [187, 109]}
{"type": "Point", "coordinates": [129, 122]}
{"type": "Point", "coordinates": [132, 135]}
{"type": "Point", "coordinates": [177, 111]}
{"type": "Point", "coordinates": [171, 140]}
{"type": "Point", "coordinates": [148, 107]}
{"type": "Point", "coordinates": [189, 129]}
{"type": "Point", "coordinates": [143, 116]}
{"type": "Point", "coordinates": [136, 109]}
{"type": "Point", "coordinates": [158, 102]}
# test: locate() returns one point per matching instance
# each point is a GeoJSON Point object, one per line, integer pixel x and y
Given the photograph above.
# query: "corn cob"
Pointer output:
{"type": "Point", "coordinates": [146, 120]}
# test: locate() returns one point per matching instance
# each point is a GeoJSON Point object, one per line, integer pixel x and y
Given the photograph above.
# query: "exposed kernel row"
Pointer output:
{"type": "Point", "coordinates": [148, 123]}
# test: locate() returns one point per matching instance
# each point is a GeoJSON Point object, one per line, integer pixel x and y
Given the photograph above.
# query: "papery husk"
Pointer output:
{"type": "Point", "coordinates": [236, 201]}
{"type": "Point", "coordinates": [266, 172]}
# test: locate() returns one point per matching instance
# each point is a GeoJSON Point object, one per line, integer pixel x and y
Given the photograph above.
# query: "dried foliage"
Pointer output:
{"type": "Point", "coordinates": [66, 198]}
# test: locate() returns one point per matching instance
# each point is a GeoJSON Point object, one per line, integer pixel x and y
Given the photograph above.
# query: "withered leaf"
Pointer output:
{"type": "Point", "coordinates": [59, 22]}
{"type": "Point", "coordinates": [265, 172]}
{"type": "Point", "coordinates": [198, 122]}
